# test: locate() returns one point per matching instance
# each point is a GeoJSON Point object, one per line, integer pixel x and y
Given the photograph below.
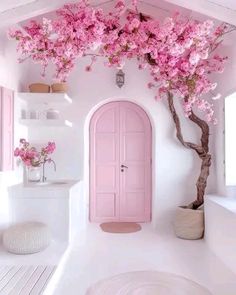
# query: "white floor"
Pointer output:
{"type": "Point", "coordinates": [28, 274]}
{"type": "Point", "coordinates": [50, 256]}
{"type": "Point", "coordinates": [101, 255]}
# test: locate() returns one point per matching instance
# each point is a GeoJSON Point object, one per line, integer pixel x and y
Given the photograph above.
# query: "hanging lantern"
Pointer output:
{"type": "Point", "coordinates": [120, 78]}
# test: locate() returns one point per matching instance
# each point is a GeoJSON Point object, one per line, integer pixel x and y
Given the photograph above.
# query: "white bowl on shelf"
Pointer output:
{"type": "Point", "coordinates": [52, 114]}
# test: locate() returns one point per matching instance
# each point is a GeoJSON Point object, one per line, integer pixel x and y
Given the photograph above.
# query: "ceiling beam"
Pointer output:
{"type": "Point", "coordinates": [208, 8]}
{"type": "Point", "coordinates": [26, 11]}
{"type": "Point", "coordinates": [38, 7]}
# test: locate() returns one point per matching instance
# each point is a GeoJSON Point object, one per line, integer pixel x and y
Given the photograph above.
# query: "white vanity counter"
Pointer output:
{"type": "Point", "coordinates": [61, 189]}
{"type": "Point", "coordinates": [60, 204]}
{"type": "Point", "coordinates": [220, 224]}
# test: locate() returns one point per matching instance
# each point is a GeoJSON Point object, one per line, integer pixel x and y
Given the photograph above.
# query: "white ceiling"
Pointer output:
{"type": "Point", "coordinates": [211, 8]}
{"type": "Point", "coordinates": [11, 4]}
{"type": "Point", "coordinates": [230, 4]}
{"type": "Point", "coordinates": [14, 11]}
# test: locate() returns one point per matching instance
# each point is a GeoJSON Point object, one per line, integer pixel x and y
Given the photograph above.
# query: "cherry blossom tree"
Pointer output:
{"type": "Point", "coordinates": [180, 54]}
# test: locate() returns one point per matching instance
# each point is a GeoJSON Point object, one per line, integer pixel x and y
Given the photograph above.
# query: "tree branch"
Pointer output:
{"type": "Point", "coordinates": [198, 149]}
{"type": "Point", "coordinates": [201, 150]}
{"type": "Point", "coordinates": [205, 130]}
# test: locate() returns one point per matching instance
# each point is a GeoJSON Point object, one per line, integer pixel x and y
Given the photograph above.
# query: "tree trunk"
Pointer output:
{"type": "Point", "coordinates": [202, 150]}
{"type": "Point", "coordinates": [202, 181]}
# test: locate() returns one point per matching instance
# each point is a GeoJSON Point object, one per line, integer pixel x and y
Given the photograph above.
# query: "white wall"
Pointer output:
{"type": "Point", "coordinates": [175, 168]}
{"type": "Point", "coordinates": [226, 86]}
{"type": "Point", "coordinates": [12, 75]}
{"type": "Point", "coordinates": [220, 222]}
{"type": "Point", "coordinates": [230, 140]}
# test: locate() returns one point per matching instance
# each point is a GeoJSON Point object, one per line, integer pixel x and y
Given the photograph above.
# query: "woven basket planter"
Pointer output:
{"type": "Point", "coordinates": [189, 223]}
{"type": "Point", "coordinates": [39, 88]}
{"type": "Point", "coordinates": [59, 87]}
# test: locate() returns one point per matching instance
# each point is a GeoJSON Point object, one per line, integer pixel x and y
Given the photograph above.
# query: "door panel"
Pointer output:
{"type": "Point", "coordinates": [7, 120]}
{"type": "Point", "coordinates": [132, 121]}
{"type": "Point", "coordinates": [135, 153]}
{"type": "Point", "coordinates": [134, 147]}
{"type": "Point", "coordinates": [107, 121]}
{"type": "Point", "coordinates": [120, 134]}
{"type": "Point", "coordinates": [104, 164]}
{"type": "Point", "coordinates": [105, 147]}
{"type": "Point", "coordinates": [134, 177]}
{"type": "Point", "coordinates": [105, 206]}
{"type": "Point", "coordinates": [105, 177]}
{"type": "Point", "coordinates": [131, 210]}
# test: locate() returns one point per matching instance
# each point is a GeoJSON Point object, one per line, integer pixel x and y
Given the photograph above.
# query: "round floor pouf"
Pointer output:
{"type": "Point", "coordinates": [147, 283]}
{"type": "Point", "coordinates": [26, 238]}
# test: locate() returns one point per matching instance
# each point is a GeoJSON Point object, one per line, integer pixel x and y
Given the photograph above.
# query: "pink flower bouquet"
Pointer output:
{"type": "Point", "coordinates": [30, 156]}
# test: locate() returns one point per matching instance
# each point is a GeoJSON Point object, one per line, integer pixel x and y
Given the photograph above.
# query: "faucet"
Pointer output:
{"type": "Point", "coordinates": [44, 178]}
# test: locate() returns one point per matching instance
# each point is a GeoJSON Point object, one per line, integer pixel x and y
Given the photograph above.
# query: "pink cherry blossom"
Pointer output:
{"type": "Point", "coordinates": [50, 148]}
{"type": "Point", "coordinates": [178, 52]}
{"type": "Point", "coordinates": [30, 156]}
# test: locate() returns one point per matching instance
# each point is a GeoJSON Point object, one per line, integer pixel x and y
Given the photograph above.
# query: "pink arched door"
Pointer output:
{"type": "Point", "coordinates": [120, 163]}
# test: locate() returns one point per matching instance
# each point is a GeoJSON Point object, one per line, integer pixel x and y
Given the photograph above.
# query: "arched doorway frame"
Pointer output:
{"type": "Point", "coordinates": [121, 204]}
{"type": "Point", "coordinates": [150, 113]}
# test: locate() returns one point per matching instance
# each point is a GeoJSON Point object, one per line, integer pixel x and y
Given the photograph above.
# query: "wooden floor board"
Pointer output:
{"type": "Point", "coordinates": [25, 279]}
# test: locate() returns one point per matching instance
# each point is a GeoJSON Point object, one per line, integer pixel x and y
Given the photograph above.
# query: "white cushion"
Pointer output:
{"type": "Point", "coordinates": [26, 238]}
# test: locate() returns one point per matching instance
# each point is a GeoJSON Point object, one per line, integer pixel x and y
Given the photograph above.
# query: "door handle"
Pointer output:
{"type": "Point", "coordinates": [123, 166]}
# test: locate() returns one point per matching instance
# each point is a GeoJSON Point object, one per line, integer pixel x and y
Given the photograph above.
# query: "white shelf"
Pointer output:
{"type": "Point", "coordinates": [45, 122]}
{"type": "Point", "coordinates": [44, 98]}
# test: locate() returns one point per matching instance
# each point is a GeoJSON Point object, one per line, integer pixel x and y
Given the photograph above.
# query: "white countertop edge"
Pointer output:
{"type": "Point", "coordinates": [229, 203]}
{"type": "Point", "coordinates": [32, 186]}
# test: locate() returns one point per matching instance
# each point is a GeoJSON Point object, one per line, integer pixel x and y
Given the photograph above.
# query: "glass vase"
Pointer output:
{"type": "Point", "coordinates": [34, 174]}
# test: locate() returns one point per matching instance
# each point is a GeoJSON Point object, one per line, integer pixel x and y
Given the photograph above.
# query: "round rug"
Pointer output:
{"type": "Point", "coordinates": [147, 283]}
{"type": "Point", "coordinates": [120, 227]}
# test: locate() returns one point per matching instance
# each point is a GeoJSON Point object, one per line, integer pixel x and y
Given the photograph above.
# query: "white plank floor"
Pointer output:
{"type": "Point", "coordinates": [25, 280]}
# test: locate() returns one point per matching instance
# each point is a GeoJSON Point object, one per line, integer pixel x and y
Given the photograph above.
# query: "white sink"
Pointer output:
{"type": "Point", "coordinates": [50, 183]}
{"type": "Point", "coordinates": [58, 182]}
